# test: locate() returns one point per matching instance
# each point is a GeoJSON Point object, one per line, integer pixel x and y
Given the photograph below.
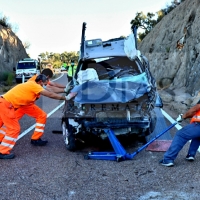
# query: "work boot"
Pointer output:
{"type": "Point", "coordinates": [7, 156]}
{"type": "Point", "coordinates": [39, 142]}
{"type": "Point", "coordinates": [167, 164]}
{"type": "Point", "coordinates": [189, 158]}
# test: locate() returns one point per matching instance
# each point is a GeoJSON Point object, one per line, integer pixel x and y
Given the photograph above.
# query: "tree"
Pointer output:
{"type": "Point", "coordinates": [57, 59]}
{"type": "Point", "coordinates": [26, 44]}
{"type": "Point", "coordinates": [145, 22]}
{"type": "Point", "coordinates": [42, 56]}
{"type": "Point", "coordinates": [4, 21]}
{"type": "Point", "coordinates": [161, 13]}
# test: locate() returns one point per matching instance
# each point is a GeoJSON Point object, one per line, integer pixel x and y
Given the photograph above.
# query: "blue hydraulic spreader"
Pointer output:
{"type": "Point", "coordinates": [120, 153]}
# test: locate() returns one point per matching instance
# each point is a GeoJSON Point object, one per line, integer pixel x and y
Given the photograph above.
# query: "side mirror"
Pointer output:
{"type": "Point", "coordinates": [14, 69]}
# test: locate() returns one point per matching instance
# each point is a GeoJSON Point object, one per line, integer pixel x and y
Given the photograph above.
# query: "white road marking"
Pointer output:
{"type": "Point", "coordinates": [59, 77]}
{"type": "Point", "coordinates": [33, 126]}
{"type": "Point", "coordinates": [171, 119]}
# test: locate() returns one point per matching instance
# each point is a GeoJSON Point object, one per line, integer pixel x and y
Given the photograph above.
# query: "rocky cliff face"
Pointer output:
{"type": "Point", "coordinates": [173, 48]}
{"type": "Point", "coordinates": [11, 50]}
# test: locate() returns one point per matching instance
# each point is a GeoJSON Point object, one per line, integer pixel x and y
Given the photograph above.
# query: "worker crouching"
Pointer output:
{"type": "Point", "coordinates": [21, 98]}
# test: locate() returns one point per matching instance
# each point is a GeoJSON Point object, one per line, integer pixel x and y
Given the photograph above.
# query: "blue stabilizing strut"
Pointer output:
{"type": "Point", "coordinates": [120, 153]}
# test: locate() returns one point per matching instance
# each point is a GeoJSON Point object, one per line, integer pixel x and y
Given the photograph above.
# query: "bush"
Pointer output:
{"type": "Point", "coordinates": [7, 77]}
{"type": "Point", "coordinates": [4, 76]}
{"type": "Point", "coordinates": [4, 21]}
{"type": "Point", "coordinates": [10, 79]}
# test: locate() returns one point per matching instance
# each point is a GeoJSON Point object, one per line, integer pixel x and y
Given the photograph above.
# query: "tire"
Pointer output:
{"type": "Point", "coordinates": [18, 80]}
{"type": "Point", "coordinates": [69, 138]}
{"type": "Point", "coordinates": [143, 139]}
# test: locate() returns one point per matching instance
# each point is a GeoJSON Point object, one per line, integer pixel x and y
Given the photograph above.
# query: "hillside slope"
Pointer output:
{"type": "Point", "coordinates": [11, 50]}
{"type": "Point", "coordinates": [176, 69]}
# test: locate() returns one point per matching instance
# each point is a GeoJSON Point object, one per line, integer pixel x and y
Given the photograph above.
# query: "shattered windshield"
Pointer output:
{"type": "Point", "coordinates": [112, 67]}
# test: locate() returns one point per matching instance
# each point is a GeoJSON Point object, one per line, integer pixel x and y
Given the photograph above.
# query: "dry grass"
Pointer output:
{"type": "Point", "coordinates": [4, 89]}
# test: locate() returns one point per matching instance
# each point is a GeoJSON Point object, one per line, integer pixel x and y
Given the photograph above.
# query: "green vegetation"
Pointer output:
{"type": "Point", "coordinates": [167, 49]}
{"type": "Point", "coordinates": [56, 60]}
{"type": "Point", "coordinates": [148, 22]}
{"type": "Point", "coordinates": [4, 21]}
{"type": "Point", "coordinates": [7, 78]}
{"type": "Point", "coordinates": [144, 22]}
{"type": "Point", "coordinates": [10, 79]}
{"type": "Point", "coordinates": [4, 76]}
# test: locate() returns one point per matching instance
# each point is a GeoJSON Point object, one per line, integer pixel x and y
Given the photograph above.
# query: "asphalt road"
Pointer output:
{"type": "Point", "coordinates": [53, 173]}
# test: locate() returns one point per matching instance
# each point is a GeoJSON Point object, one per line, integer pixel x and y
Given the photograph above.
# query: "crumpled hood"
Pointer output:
{"type": "Point", "coordinates": [120, 90]}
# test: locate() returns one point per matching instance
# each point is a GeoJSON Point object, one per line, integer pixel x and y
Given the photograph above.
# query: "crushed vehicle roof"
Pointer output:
{"type": "Point", "coordinates": [97, 48]}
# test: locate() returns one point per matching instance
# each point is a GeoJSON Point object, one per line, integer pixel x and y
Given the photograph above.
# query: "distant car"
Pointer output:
{"type": "Point", "coordinates": [115, 90]}
{"type": "Point", "coordinates": [63, 69]}
{"type": "Point", "coordinates": [57, 70]}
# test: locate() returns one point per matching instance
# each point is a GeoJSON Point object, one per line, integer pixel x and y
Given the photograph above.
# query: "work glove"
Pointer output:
{"type": "Point", "coordinates": [68, 87]}
{"type": "Point", "coordinates": [179, 119]}
{"type": "Point", "coordinates": [70, 96]}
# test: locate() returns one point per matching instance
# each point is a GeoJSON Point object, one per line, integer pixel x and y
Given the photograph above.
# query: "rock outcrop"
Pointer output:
{"type": "Point", "coordinates": [11, 50]}
{"type": "Point", "coordinates": [173, 48]}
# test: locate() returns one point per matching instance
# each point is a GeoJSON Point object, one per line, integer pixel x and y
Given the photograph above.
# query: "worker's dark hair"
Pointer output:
{"type": "Point", "coordinates": [41, 77]}
{"type": "Point", "coordinates": [47, 72]}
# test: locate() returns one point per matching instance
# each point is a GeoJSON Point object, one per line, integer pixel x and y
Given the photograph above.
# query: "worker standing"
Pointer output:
{"type": "Point", "coordinates": [71, 71]}
{"type": "Point", "coordinates": [21, 95]}
{"type": "Point", "coordinates": [189, 132]}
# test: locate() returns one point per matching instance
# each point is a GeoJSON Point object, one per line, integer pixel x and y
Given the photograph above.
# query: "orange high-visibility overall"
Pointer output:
{"type": "Point", "coordinates": [37, 113]}
{"type": "Point", "coordinates": [20, 100]}
{"type": "Point", "coordinates": [7, 117]}
{"type": "Point", "coordinates": [2, 132]}
{"type": "Point", "coordinates": [33, 111]}
{"type": "Point", "coordinates": [196, 117]}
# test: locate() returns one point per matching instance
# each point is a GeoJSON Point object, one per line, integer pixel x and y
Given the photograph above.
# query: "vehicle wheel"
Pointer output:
{"type": "Point", "coordinates": [69, 138]}
{"type": "Point", "coordinates": [86, 157]}
{"type": "Point", "coordinates": [143, 139]}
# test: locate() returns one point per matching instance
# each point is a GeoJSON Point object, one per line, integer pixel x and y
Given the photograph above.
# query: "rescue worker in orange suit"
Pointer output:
{"type": "Point", "coordinates": [20, 112]}
{"type": "Point", "coordinates": [23, 97]}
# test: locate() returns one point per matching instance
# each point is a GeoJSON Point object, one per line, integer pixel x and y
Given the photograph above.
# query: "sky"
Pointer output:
{"type": "Point", "coordinates": [56, 25]}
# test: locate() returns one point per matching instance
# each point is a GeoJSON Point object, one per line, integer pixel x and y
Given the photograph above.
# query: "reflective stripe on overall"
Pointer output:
{"type": "Point", "coordinates": [8, 118]}
{"type": "Point", "coordinates": [37, 113]}
{"type": "Point", "coordinates": [32, 111]}
{"type": "Point", "coordinates": [2, 132]}
{"type": "Point", "coordinates": [196, 117]}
